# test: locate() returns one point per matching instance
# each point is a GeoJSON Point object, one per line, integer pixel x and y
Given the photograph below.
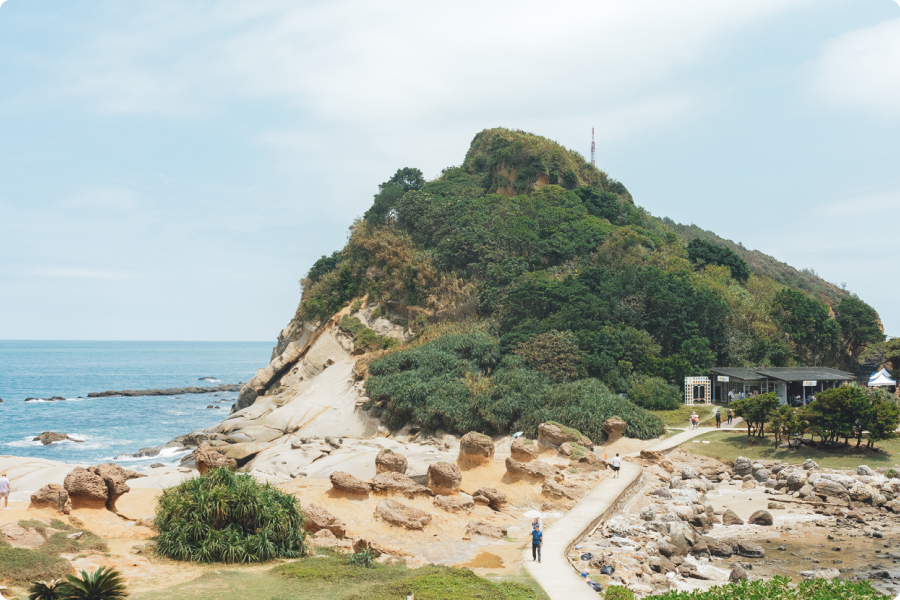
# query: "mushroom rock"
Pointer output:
{"type": "Point", "coordinates": [86, 489]}
{"type": "Point", "coordinates": [490, 496]}
{"type": "Point", "coordinates": [481, 528]}
{"type": "Point", "coordinates": [554, 435]}
{"type": "Point", "coordinates": [535, 468]}
{"type": "Point", "coordinates": [523, 450]}
{"type": "Point", "coordinates": [390, 461]}
{"type": "Point", "coordinates": [475, 449]}
{"type": "Point", "coordinates": [454, 503]}
{"type": "Point", "coordinates": [444, 478]}
{"type": "Point", "coordinates": [348, 484]}
{"type": "Point", "coordinates": [390, 482]}
{"type": "Point", "coordinates": [53, 495]}
{"type": "Point", "coordinates": [614, 428]}
{"type": "Point", "coordinates": [115, 478]}
{"type": "Point", "coordinates": [206, 458]}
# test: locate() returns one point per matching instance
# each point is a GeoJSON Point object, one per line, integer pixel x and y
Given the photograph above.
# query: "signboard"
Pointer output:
{"type": "Point", "coordinates": [723, 378]}
{"type": "Point", "coordinates": [810, 383]}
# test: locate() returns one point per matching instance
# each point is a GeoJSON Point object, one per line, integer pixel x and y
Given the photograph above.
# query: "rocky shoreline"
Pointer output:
{"type": "Point", "coordinates": [229, 387]}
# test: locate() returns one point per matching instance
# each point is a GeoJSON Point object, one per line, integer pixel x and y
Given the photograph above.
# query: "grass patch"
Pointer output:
{"type": "Point", "coordinates": [728, 445]}
{"type": "Point", "coordinates": [440, 583]}
{"type": "Point", "coordinates": [680, 417]}
{"type": "Point", "coordinates": [19, 566]}
{"type": "Point", "coordinates": [364, 338]}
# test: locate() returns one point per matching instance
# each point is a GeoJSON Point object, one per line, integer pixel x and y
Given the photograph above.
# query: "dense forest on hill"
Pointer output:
{"type": "Point", "coordinates": [539, 291]}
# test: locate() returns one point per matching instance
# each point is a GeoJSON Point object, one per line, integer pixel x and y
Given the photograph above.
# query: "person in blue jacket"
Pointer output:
{"type": "Point", "coordinates": [537, 539]}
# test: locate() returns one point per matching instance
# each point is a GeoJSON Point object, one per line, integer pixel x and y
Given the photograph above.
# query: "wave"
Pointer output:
{"type": "Point", "coordinates": [163, 454]}
{"type": "Point", "coordinates": [48, 401]}
{"type": "Point", "coordinates": [84, 442]}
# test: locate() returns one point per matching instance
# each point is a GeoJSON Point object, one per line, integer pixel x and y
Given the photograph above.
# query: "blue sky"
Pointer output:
{"type": "Point", "coordinates": [170, 170]}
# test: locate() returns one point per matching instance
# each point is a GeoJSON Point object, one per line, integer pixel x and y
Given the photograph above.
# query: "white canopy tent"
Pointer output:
{"type": "Point", "coordinates": [881, 378]}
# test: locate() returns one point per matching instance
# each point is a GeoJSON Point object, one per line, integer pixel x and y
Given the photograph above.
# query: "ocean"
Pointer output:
{"type": "Point", "coordinates": [115, 425]}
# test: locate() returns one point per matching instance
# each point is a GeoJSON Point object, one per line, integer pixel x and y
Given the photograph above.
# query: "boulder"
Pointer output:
{"type": "Point", "coordinates": [21, 537]}
{"type": "Point", "coordinates": [589, 459]}
{"type": "Point", "coordinates": [444, 478]}
{"type": "Point", "coordinates": [523, 450]}
{"type": "Point", "coordinates": [795, 480]}
{"type": "Point", "coordinates": [348, 484]}
{"type": "Point", "coordinates": [762, 475]}
{"type": "Point", "coordinates": [749, 550]}
{"type": "Point", "coordinates": [390, 482]}
{"type": "Point", "coordinates": [689, 473]}
{"type": "Point", "coordinates": [554, 435]}
{"type": "Point", "coordinates": [720, 548]}
{"type": "Point", "coordinates": [481, 528]}
{"type": "Point", "coordinates": [490, 496]}
{"type": "Point", "coordinates": [677, 539]}
{"type": "Point", "coordinates": [810, 464]}
{"type": "Point", "coordinates": [830, 573]}
{"type": "Point", "coordinates": [454, 503]}
{"type": "Point", "coordinates": [535, 468]}
{"type": "Point", "coordinates": [737, 574]}
{"type": "Point", "coordinates": [206, 458]}
{"type": "Point", "coordinates": [729, 517]}
{"type": "Point", "coordinates": [48, 437]}
{"type": "Point", "coordinates": [52, 495]}
{"type": "Point", "coordinates": [614, 428]}
{"type": "Point", "coordinates": [475, 449]}
{"type": "Point", "coordinates": [402, 516]}
{"type": "Point", "coordinates": [566, 449]}
{"type": "Point", "coordinates": [861, 493]}
{"type": "Point", "coordinates": [86, 488]}
{"type": "Point", "coordinates": [742, 466]}
{"type": "Point", "coordinates": [660, 564]}
{"type": "Point", "coordinates": [761, 517]}
{"type": "Point", "coordinates": [665, 548]}
{"type": "Point", "coordinates": [658, 458]}
{"type": "Point", "coordinates": [391, 462]}
{"type": "Point", "coordinates": [558, 491]}
{"type": "Point", "coordinates": [317, 518]}
{"type": "Point", "coordinates": [115, 478]}
{"type": "Point", "coordinates": [865, 471]}
{"type": "Point", "coordinates": [826, 487]}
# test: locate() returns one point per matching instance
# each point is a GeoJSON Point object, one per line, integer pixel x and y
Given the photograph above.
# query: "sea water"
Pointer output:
{"type": "Point", "coordinates": [115, 425]}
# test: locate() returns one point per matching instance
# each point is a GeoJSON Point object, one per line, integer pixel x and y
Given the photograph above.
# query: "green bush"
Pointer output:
{"type": "Point", "coordinates": [780, 588]}
{"type": "Point", "coordinates": [364, 558]}
{"type": "Point", "coordinates": [618, 592]}
{"type": "Point", "coordinates": [653, 393]}
{"type": "Point", "coordinates": [441, 583]}
{"type": "Point", "coordinates": [103, 584]}
{"type": "Point", "coordinates": [226, 517]}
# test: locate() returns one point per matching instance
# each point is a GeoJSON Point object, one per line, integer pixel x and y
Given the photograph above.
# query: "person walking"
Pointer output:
{"type": "Point", "coordinates": [718, 418]}
{"type": "Point", "coordinates": [730, 396]}
{"type": "Point", "coordinates": [537, 538]}
{"type": "Point", "coordinates": [536, 522]}
{"type": "Point", "coordinates": [4, 490]}
{"type": "Point", "coordinates": [617, 463]}
{"type": "Point", "coordinates": [730, 415]}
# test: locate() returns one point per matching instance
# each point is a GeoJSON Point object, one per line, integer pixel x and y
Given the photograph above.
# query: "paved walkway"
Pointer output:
{"type": "Point", "coordinates": [554, 573]}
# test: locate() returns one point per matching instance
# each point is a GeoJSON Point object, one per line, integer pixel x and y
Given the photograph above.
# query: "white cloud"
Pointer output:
{"type": "Point", "coordinates": [861, 69]}
{"type": "Point", "coordinates": [82, 273]}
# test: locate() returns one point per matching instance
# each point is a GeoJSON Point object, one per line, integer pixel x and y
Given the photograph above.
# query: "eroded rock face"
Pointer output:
{"type": "Point", "coordinates": [317, 519]}
{"type": "Point", "coordinates": [444, 479]}
{"type": "Point", "coordinates": [53, 495]}
{"type": "Point", "coordinates": [554, 436]}
{"type": "Point", "coordinates": [402, 516]}
{"type": "Point", "coordinates": [454, 503]}
{"type": "Point", "coordinates": [749, 550]}
{"type": "Point", "coordinates": [826, 487]}
{"type": "Point", "coordinates": [481, 528]}
{"type": "Point", "coordinates": [490, 496]}
{"type": "Point", "coordinates": [348, 484]}
{"type": "Point", "coordinates": [761, 517]}
{"type": "Point", "coordinates": [523, 450]}
{"type": "Point", "coordinates": [535, 468]}
{"type": "Point", "coordinates": [21, 537]}
{"type": "Point", "coordinates": [206, 458]}
{"type": "Point", "coordinates": [614, 428]}
{"type": "Point", "coordinates": [742, 466]}
{"type": "Point", "coordinates": [86, 489]}
{"type": "Point", "coordinates": [390, 482]}
{"type": "Point", "coordinates": [658, 458]}
{"type": "Point", "coordinates": [729, 517]}
{"type": "Point", "coordinates": [390, 461]}
{"type": "Point", "coordinates": [475, 449]}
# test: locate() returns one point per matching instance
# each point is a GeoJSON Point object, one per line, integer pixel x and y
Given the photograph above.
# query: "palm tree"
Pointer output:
{"type": "Point", "coordinates": [105, 584]}
{"type": "Point", "coordinates": [45, 590]}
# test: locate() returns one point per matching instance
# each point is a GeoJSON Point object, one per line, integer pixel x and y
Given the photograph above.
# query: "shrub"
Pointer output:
{"type": "Point", "coordinates": [365, 338]}
{"type": "Point", "coordinates": [364, 558]}
{"type": "Point", "coordinates": [653, 393]}
{"type": "Point", "coordinates": [555, 354]}
{"type": "Point", "coordinates": [226, 517]}
{"type": "Point", "coordinates": [618, 592]}
{"type": "Point", "coordinates": [103, 584]}
{"type": "Point", "coordinates": [779, 587]}
{"type": "Point", "coordinates": [45, 590]}
{"type": "Point", "coordinates": [891, 473]}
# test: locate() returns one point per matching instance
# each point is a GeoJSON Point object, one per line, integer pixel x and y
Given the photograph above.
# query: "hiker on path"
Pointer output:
{"type": "Point", "coordinates": [730, 396]}
{"type": "Point", "coordinates": [718, 418]}
{"type": "Point", "coordinates": [617, 463]}
{"type": "Point", "coordinates": [536, 522]}
{"type": "Point", "coordinates": [537, 538]}
{"type": "Point", "coordinates": [4, 490]}
{"type": "Point", "coordinates": [730, 415]}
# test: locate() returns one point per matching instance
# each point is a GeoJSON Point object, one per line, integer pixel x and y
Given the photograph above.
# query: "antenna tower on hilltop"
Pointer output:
{"type": "Point", "coordinates": [593, 148]}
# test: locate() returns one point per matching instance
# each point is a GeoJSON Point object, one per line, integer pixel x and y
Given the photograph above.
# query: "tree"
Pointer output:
{"type": "Point", "coordinates": [702, 252]}
{"type": "Point", "coordinates": [756, 411]}
{"type": "Point", "coordinates": [859, 326]}
{"type": "Point", "coordinates": [786, 421]}
{"type": "Point", "coordinates": [104, 584]}
{"type": "Point", "coordinates": [390, 192]}
{"type": "Point", "coordinates": [555, 354]}
{"type": "Point", "coordinates": [837, 413]}
{"type": "Point", "coordinates": [45, 590]}
{"type": "Point", "coordinates": [816, 336]}
{"type": "Point", "coordinates": [653, 393]}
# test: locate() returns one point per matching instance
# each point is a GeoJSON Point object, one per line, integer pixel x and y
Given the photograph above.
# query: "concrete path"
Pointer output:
{"type": "Point", "coordinates": [554, 573]}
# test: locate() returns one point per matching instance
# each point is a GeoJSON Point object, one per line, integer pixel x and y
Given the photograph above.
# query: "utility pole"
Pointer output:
{"type": "Point", "coordinates": [593, 149]}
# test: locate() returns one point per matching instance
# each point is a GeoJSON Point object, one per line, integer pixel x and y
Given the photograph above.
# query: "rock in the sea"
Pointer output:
{"type": "Point", "coordinates": [761, 517]}
{"type": "Point", "coordinates": [86, 489]}
{"type": "Point", "coordinates": [317, 518]}
{"type": "Point", "coordinates": [52, 495]}
{"type": "Point", "coordinates": [729, 517]}
{"type": "Point", "coordinates": [390, 482]}
{"type": "Point", "coordinates": [48, 437]}
{"type": "Point", "coordinates": [614, 428]}
{"type": "Point", "coordinates": [206, 458]}
{"type": "Point", "coordinates": [535, 468]}
{"type": "Point", "coordinates": [737, 574]}
{"type": "Point", "coordinates": [444, 478]}
{"type": "Point", "coordinates": [475, 449]}
{"type": "Point", "coordinates": [490, 496]}
{"type": "Point", "coordinates": [481, 528]}
{"type": "Point", "coordinates": [749, 550]}
{"type": "Point", "coordinates": [523, 450]}
{"type": "Point", "coordinates": [348, 484]}
{"type": "Point", "coordinates": [390, 461]}
{"type": "Point", "coordinates": [402, 516]}
{"type": "Point", "coordinates": [865, 471]}
{"type": "Point", "coordinates": [454, 503]}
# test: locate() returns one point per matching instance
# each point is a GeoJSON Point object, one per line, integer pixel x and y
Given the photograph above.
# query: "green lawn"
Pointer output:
{"type": "Point", "coordinates": [727, 445]}
{"type": "Point", "coordinates": [328, 578]}
{"type": "Point", "coordinates": [679, 417]}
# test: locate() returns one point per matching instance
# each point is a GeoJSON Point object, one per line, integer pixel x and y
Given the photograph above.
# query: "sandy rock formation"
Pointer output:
{"type": "Point", "coordinates": [317, 519]}
{"type": "Point", "coordinates": [523, 450]}
{"type": "Point", "coordinates": [390, 482]}
{"type": "Point", "coordinates": [21, 537]}
{"type": "Point", "coordinates": [53, 495]}
{"type": "Point", "coordinates": [658, 458]}
{"type": "Point", "coordinates": [535, 468]}
{"type": "Point", "coordinates": [761, 517]}
{"type": "Point", "coordinates": [729, 517]}
{"type": "Point", "coordinates": [491, 497]}
{"type": "Point", "coordinates": [402, 516]}
{"type": "Point", "coordinates": [390, 461]}
{"type": "Point", "coordinates": [348, 484]}
{"type": "Point", "coordinates": [475, 449]}
{"type": "Point", "coordinates": [206, 458]}
{"type": "Point", "coordinates": [444, 478]}
{"type": "Point", "coordinates": [481, 528]}
{"type": "Point", "coordinates": [554, 435]}
{"type": "Point", "coordinates": [86, 488]}
{"type": "Point", "coordinates": [454, 503]}
{"type": "Point", "coordinates": [614, 428]}
{"type": "Point", "coordinates": [560, 490]}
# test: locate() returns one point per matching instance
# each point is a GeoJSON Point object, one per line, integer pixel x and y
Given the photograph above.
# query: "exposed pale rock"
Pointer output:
{"type": "Point", "coordinates": [455, 503]}
{"type": "Point", "coordinates": [861, 493]}
{"type": "Point", "coordinates": [809, 464]}
{"type": "Point", "coordinates": [317, 518]}
{"type": "Point", "coordinates": [53, 495]}
{"type": "Point", "coordinates": [762, 475]}
{"type": "Point", "coordinates": [554, 436]}
{"type": "Point", "coordinates": [826, 487]}
{"type": "Point", "coordinates": [402, 516]}
{"type": "Point", "coordinates": [742, 466]}
{"type": "Point", "coordinates": [535, 468]}
{"type": "Point", "coordinates": [390, 461]}
{"type": "Point", "coordinates": [558, 491]}
{"type": "Point", "coordinates": [115, 478]}
{"type": "Point", "coordinates": [523, 450]}
{"type": "Point", "coordinates": [614, 428]}
{"type": "Point", "coordinates": [492, 497]}
{"type": "Point", "coordinates": [864, 470]}
{"type": "Point", "coordinates": [481, 528]}
{"type": "Point", "coordinates": [658, 458]}
{"type": "Point", "coordinates": [689, 473]}
{"type": "Point", "coordinates": [21, 537]}
{"type": "Point", "coordinates": [475, 449]}
{"type": "Point", "coordinates": [85, 488]}
{"type": "Point", "coordinates": [444, 478]}
{"type": "Point", "coordinates": [566, 449]}
{"type": "Point", "coordinates": [390, 482]}
{"type": "Point", "coordinates": [206, 458]}
{"type": "Point", "coordinates": [347, 483]}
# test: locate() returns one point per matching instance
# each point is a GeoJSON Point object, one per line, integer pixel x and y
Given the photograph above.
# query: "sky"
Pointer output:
{"type": "Point", "coordinates": [170, 170]}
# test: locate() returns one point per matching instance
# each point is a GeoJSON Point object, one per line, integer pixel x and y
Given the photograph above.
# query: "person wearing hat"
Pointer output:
{"type": "Point", "coordinates": [537, 539]}
{"type": "Point", "coordinates": [4, 490]}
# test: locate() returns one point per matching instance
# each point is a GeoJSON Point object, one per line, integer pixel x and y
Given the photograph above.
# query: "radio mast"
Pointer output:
{"type": "Point", "coordinates": [593, 148]}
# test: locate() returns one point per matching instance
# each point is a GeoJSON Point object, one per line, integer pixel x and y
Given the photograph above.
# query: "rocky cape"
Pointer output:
{"type": "Point", "coordinates": [230, 387]}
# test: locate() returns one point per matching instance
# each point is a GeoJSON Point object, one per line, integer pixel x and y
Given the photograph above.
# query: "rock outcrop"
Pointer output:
{"type": "Point", "coordinates": [523, 450]}
{"type": "Point", "coordinates": [490, 496]}
{"type": "Point", "coordinates": [317, 518]}
{"type": "Point", "coordinates": [444, 478]}
{"type": "Point", "coordinates": [21, 537]}
{"type": "Point", "coordinates": [230, 387]}
{"type": "Point", "coordinates": [96, 487]}
{"type": "Point", "coordinates": [348, 484]}
{"type": "Point", "coordinates": [390, 461]}
{"type": "Point", "coordinates": [206, 458]}
{"type": "Point", "coordinates": [454, 503]}
{"type": "Point", "coordinates": [614, 428]}
{"type": "Point", "coordinates": [761, 517]}
{"type": "Point", "coordinates": [481, 528]}
{"type": "Point", "coordinates": [52, 495]}
{"type": "Point", "coordinates": [48, 437]}
{"type": "Point", "coordinates": [390, 482]}
{"type": "Point", "coordinates": [402, 516]}
{"type": "Point", "coordinates": [536, 468]}
{"type": "Point", "coordinates": [554, 435]}
{"type": "Point", "coordinates": [475, 449]}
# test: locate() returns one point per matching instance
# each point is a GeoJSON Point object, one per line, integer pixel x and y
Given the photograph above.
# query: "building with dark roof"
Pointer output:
{"type": "Point", "coordinates": [788, 383]}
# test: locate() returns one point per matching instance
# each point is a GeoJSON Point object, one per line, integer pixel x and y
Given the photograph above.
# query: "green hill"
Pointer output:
{"type": "Point", "coordinates": [537, 290]}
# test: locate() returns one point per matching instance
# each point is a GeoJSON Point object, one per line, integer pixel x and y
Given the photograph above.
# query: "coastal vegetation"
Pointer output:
{"type": "Point", "coordinates": [572, 299]}
{"type": "Point", "coordinates": [781, 588]}
{"type": "Point", "coordinates": [19, 566]}
{"type": "Point", "coordinates": [222, 516]}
